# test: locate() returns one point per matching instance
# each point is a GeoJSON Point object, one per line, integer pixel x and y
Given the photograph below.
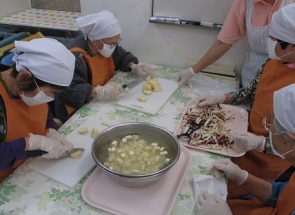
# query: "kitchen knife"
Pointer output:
{"type": "Point", "coordinates": [135, 82]}
{"type": "Point", "coordinates": [35, 153]}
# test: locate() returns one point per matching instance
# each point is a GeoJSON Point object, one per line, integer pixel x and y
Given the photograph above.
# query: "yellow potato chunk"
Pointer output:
{"type": "Point", "coordinates": [147, 92]}
{"type": "Point", "coordinates": [155, 85]}
{"type": "Point", "coordinates": [76, 154]}
{"type": "Point", "coordinates": [94, 132]}
{"type": "Point", "coordinates": [83, 130]}
{"type": "Point", "coordinates": [142, 99]}
{"type": "Point", "coordinates": [151, 84]}
{"type": "Point", "coordinates": [147, 86]}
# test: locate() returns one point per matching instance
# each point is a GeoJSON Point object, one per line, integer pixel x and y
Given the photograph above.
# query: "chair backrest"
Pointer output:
{"type": "Point", "coordinates": [14, 37]}
{"type": "Point", "coordinates": [7, 48]}
{"type": "Point", "coordinates": [7, 60]}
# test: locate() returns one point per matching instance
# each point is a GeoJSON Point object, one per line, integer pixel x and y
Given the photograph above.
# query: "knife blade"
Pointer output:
{"type": "Point", "coordinates": [36, 153]}
{"type": "Point", "coordinates": [135, 82]}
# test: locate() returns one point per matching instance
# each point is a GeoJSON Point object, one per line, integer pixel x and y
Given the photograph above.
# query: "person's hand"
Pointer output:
{"type": "Point", "coordinates": [53, 134]}
{"type": "Point", "coordinates": [211, 205]}
{"type": "Point", "coordinates": [225, 167]}
{"type": "Point", "coordinates": [206, 100]}
{"type": "Point", "coordinates": [142, 69]}
{"type": "Point", "coordinates": [245, 141]}
{"type": "Point", "coordinates": [185, 75]}
{"type": "Point", "coordinates": [54, 148]}
{"type": "Point", "coordinates": [109, 91]}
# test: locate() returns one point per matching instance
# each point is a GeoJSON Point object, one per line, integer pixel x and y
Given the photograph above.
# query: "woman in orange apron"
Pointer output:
{"type": "Point", "coordinates": [98, 56]}
{"type": "Point", "coordinates": [269, 198]}
{"type": "Point", "coordinates": [43, 68]}
{"type": "Point", "coordinates": [274, 74]}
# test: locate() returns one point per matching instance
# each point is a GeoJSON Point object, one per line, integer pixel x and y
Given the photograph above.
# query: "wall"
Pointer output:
{"type": "Point", "coordinates": [159, 43]}
{"type": "Point", "coordinates": [196, 10]}
{"type": "Point", "coordinates": [13, 6]}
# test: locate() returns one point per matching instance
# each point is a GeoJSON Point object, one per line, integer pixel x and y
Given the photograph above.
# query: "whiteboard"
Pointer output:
{"type": "Point", "coordinates": [196, 10]}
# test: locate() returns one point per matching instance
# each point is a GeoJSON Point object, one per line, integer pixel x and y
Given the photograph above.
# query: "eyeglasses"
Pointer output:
{"type": "Point", "coordinates": [112, 44]}
{"type": "Point", "coordinates": [270, 123]}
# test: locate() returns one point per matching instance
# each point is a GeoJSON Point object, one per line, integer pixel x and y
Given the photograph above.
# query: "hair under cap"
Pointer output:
{"type": "Point", "coordinates": [282, 25]}
{"type": "Point", "coordinates": [283, 105]}
{"type": "Point", "coordinates": [47, 59]}
{"type": "Point", "coordinates": [99, 25]}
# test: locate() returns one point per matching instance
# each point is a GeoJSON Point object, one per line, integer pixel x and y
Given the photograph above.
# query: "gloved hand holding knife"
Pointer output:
{"type": "Point", "coordinates": [52, 148]}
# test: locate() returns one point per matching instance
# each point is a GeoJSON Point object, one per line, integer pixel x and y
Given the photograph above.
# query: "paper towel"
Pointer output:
{"type": "Point", "coordinates": [204, 85]}
{"type": "Point", "coordinates": [213, 185]}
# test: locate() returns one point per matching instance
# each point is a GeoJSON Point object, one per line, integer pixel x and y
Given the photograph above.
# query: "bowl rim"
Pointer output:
{"type": "Point", "coordinates": [166, 168]}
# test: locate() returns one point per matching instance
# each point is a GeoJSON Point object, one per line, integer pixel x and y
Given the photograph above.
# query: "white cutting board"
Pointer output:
{"type": "Point", "coordinates": [154, 101]}
{"type": "Point", "coordinates": [69, 171]}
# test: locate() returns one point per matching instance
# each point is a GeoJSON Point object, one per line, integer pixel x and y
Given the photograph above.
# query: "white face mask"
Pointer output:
{"type": "Point", "coordinates": [106, 51]}
{"type": "Point", "coordinates": [275, 152]}
{"type": "Point", "coordinates": [38, 99]}
{"type": "Point", "coordinates": [271, 46]}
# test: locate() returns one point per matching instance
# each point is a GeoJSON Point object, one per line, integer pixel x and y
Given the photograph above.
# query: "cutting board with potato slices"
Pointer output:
{"type": "Point", "coordinates": [137, 100]}
{"type": "Point", "coordinates": [69, 171]}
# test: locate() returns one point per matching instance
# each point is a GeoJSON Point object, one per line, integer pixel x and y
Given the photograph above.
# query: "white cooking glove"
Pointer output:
{"type": "Point", "coordinates": [54, 148]}
{"type": "Point", "coordinates": [211, 205]}
{"type": "Point", "coordinates": [206, 100]}
{"type": "Point", "coordinates": [142, 69]}
{"type": "Point", "coordinates": [185, 75]}
{"type": "Point", "coordinates": [245, 141]}
{"type": "Point", "coordinates": [109, 91]}
{"type": "Point", "coordinates": [225, 167]}
{"type": "Point", "coordinates": [53, 134]}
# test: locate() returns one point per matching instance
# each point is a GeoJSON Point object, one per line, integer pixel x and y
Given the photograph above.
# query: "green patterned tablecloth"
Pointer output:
{"type": "Point", "coordinates": [27, 192]}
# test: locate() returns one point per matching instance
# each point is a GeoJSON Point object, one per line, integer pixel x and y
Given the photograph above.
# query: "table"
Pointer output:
{"type": "Point", "coordinates": [53, 19]}
{"type": "Point", "coordinates": [49, 22]}
{"type": "Point", "coordinates": [27, 192]}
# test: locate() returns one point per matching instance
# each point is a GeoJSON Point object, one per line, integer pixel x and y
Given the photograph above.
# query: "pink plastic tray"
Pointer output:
{"type": "Point", "coordinates": [158, 199]}
{"type": "Point", "coordinates": [240, 123]}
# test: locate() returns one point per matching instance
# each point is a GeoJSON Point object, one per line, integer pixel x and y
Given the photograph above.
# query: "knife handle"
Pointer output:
{"type": "Point", "coordinates": [35, 153]}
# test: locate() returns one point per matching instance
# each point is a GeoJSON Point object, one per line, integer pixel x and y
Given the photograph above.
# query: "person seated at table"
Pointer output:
{"type": "Point", "coordinates": [42, 67]}
{"type": "Point", "coordinates": [98, 55]}
{"type": "Point", "coordinates": [273, 75]}
{"type": "Point", "coordinates": [269, 197]}
{"type": "Point", "coordinates": [249, 17]}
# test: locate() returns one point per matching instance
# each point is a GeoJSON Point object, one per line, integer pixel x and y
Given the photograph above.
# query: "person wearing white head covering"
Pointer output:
{"type": "Point", "coordinates": [98, 56]}
{"type": "Point", "coordinates": [99, 26]}
{"type": "Point", "coordinates": [42, 67]}
{"type": "Point", "coordinates": [275, 73]}
{"type": "Point", "coordinates": [271, 197]}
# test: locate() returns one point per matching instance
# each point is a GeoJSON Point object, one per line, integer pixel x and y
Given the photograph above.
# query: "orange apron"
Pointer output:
{"type": "Point", "coordinates": [22, 120]}
{"type": "Point", "coordinates": [269, 167]}
{"type": "Point", "coordinates": [285, 204]}
{"type": "Point", "coordinates": [101, 69]}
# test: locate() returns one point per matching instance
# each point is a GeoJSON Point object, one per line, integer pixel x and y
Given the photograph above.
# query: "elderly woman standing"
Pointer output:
{"type": "Point", "coordinates": [251, 17]}
{"type": "Point", "coordinates": [97, 57]}
{"type": "Point", "coordinates": [269, 197]}
{"type": "Point", "coordinates": [42, 67]}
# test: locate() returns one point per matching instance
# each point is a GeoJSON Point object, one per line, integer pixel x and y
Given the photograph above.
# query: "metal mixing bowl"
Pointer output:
{"type": "Point", "coordinates": [164, 138]}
